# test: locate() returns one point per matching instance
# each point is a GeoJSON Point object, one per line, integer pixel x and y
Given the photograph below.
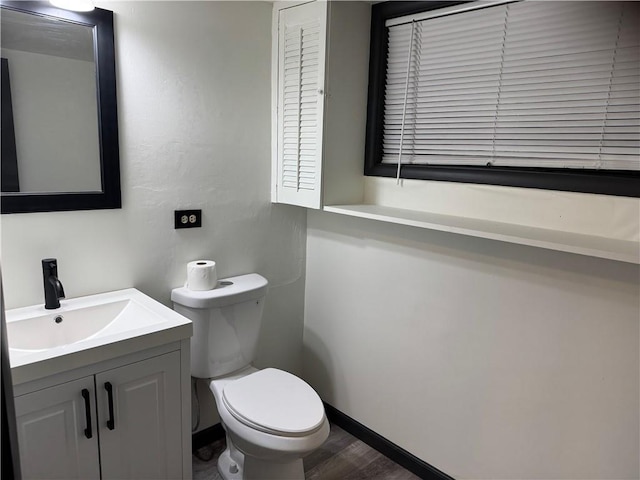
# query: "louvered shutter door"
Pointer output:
{"type": "Point", "coordinates": [301, 59]}
{"type": "Point", "coordinates": [525, 84]}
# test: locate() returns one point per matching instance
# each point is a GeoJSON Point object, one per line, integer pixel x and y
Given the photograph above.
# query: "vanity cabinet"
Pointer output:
{"type": "Point", "coordinates": [139, 424]}
{"type": "Point", "coordinates": [320, 58]}
{"type": "Point", "coordinates": [118, 423]}
{"type": "Point", "coordinates": [53, 434]}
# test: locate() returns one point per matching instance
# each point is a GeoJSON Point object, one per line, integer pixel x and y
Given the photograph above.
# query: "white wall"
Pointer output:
{"type": "Point", "coordinates": [485, 359]}
{"type": "Point", "coordinates": [488, 360]}
{"type": "Point", "coordinates": [194, 112]}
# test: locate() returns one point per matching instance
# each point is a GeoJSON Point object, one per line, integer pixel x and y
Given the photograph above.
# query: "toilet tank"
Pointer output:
{"type": "Point", "coordinates": [226, 323]}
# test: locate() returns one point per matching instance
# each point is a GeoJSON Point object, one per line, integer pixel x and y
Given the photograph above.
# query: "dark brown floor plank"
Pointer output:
{"type": "Point", "coordinates": [382, 468]}
{"type": "Point", "coordinates": [341, 457]}
{"type": "Point", "coordinates": [356, 456]}
{"type": "Point", "coordinates": [205, 460]}
{"type": "Point", "coordinates": [338, 440]}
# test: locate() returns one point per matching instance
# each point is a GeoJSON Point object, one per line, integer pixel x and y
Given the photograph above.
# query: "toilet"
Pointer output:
{"type": "Point", "coordinates": [272, 418]}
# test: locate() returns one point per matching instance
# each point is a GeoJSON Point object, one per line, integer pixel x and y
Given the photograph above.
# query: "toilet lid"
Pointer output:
{"type": "Point", "coordinates": [274, 401]}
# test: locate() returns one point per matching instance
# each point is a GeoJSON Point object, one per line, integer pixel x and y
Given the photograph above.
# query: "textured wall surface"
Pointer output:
{"type": "Point", "coordinates": [486, 359]}
{"type": "Point", "coordinates": [194, 112]}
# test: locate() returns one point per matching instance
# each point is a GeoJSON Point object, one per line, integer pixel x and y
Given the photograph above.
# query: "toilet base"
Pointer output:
{"type": "Point", "coordinates": [256, 469]}
{"type": "Point", "coordinates": [228, 468]}
{"type": "Point", "coordinates": [233, 465]}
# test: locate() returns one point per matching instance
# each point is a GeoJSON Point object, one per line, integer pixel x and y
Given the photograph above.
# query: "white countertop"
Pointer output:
{"type": "Point", "coordinates": [144, 323]}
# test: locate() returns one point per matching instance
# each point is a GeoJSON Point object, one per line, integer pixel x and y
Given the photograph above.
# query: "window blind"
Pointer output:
{"type": "Point", "coordinates": [523, 84]}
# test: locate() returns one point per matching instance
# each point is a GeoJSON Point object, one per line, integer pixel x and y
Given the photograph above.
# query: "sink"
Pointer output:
{"type": "Point", "coordinates": [71, 325]}
{"type": "Point", "coordinates": [88, 329]}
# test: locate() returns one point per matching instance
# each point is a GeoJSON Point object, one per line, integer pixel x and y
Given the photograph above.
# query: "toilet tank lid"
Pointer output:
{"type": "Point", "coordinates": [229, 291]}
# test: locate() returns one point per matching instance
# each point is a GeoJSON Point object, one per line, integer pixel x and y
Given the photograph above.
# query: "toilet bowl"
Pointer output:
{"type": "Point", "coordinates": [272, 418]}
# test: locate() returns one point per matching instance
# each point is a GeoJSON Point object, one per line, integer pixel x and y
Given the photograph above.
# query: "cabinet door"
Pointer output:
{"type": "Point", "coordinates": [139, 411]}
{"type": "Point", "coordinates": [54, 437]}
{"type": "Point", "coordinates": [301, 65]}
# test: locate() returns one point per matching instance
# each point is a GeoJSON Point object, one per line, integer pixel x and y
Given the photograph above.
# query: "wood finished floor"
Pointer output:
{"type": "Point", "coordinates": [342, 457]}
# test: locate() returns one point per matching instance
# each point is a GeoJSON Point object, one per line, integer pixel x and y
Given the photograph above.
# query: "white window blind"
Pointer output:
{"type": "Point", "coordinates": [524, 84]}
{"type": "Point", "coordinates": [300, 102]}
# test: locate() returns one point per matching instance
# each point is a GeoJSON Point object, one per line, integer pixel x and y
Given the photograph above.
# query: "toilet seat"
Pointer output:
{"type": "Point", "coordinates": [276, 402]}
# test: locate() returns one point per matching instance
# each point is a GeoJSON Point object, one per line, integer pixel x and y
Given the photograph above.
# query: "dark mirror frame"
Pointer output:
{"type": "Point", "coordinates": [102, 22]}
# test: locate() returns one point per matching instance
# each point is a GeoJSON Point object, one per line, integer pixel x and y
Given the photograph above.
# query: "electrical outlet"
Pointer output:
{"type": "Point", "coordinates": [187, 218]}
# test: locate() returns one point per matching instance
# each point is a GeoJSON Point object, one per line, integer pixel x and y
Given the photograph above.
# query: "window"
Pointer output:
{"type": "Point", "coordinates": [528, 93]}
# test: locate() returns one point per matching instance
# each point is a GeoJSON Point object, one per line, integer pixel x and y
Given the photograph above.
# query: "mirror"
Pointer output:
{"type": "Point", "coordinates": [59, 114]}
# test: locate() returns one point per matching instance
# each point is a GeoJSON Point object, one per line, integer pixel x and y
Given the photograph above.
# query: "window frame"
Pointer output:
{"type": "Point", "coordinates": [607, 182]}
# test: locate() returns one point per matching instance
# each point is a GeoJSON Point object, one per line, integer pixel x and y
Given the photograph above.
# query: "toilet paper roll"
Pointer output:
{"type": "Point", "coordinates": [201, 275]}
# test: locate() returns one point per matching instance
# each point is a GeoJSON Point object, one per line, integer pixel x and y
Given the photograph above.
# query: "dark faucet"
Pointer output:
{"type": "Point", "coordinates": [53, 290]}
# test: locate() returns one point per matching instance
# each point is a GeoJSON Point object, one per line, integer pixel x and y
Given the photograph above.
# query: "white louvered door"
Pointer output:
{"type": "Point", "coordinates": [301, 69]}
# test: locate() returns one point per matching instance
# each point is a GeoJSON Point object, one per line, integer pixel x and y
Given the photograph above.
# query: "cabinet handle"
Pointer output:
{"type": "Point", "coordinates": [87, 412]}
{"type": "Point", "coordinates": [109, 388]}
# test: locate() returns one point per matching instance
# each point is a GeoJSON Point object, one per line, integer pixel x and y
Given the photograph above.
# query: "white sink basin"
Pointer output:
{"type": "Point", "coordinates": [92, 324]}
{"type": "Point", "coordinates": [63, 327]}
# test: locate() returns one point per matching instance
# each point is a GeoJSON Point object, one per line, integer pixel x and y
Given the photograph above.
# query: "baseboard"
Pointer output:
{"type": "Point", "coordinates": [384, 446]}
{"type": "Point", "coordinates": [206, 436]}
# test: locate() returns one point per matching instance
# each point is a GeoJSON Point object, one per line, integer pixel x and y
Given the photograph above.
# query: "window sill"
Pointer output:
{"type": "Point", "coordinates": [594, 246]}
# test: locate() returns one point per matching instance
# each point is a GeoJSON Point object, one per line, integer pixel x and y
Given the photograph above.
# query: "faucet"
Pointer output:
{"type": "Point", "coordinates": [53, 290]}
